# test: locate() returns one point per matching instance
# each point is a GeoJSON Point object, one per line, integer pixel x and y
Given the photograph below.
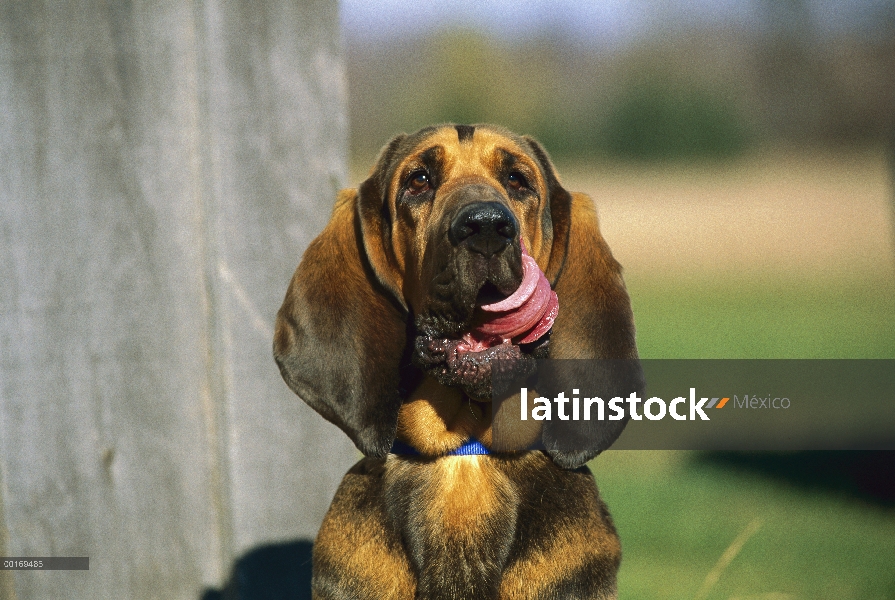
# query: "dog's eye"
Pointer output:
{"type": "Point", "coordinates": [418, 182]}
{"type": "Point", "coordinates": [516, 181]}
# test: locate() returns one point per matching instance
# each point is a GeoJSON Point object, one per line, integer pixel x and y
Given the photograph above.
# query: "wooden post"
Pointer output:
{"type": "Point", "coordinates": [162, 167]}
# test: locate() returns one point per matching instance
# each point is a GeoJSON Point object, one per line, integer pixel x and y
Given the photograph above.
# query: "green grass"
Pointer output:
{"type": "Point", "coordinates": [677, 515]}
{"type": "Point", "coordinates": [765, 318]}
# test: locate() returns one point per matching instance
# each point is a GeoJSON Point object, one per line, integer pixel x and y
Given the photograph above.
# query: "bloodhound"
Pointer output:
{"type": "Point", "coordinates": [368, 336]}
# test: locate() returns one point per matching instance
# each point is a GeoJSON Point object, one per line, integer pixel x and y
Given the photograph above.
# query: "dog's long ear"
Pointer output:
{"type": "Point", "coordinates": [342, 330]}
{"type": "Point", "coordinates": [595, 320]}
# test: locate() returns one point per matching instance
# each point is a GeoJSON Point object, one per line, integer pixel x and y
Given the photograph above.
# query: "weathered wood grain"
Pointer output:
{"type": "Point", "coordinates": [162, 167]}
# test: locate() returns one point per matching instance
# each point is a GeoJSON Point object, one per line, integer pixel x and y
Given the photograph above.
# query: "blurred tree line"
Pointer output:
{"type": "Point", "coordinates": [714, 92]}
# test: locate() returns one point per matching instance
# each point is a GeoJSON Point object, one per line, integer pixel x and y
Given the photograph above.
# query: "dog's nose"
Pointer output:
{"type": "Point", "coordinates": [485, 227]}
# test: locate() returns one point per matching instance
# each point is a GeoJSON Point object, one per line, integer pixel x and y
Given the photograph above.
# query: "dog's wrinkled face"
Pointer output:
{"type": "Point", "coordinates": [457, 202]}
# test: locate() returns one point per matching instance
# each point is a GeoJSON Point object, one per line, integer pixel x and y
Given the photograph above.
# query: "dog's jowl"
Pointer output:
{"type": "Point", "coordinates": [460, 254]}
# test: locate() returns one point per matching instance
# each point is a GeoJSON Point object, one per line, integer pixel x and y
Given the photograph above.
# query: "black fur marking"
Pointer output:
{"type": "Point", "coordinates": [465, 132]}
{"type": "Point", "coordinates": [433, 158]}
{"type": "Point", "coordinates": [507, 162]}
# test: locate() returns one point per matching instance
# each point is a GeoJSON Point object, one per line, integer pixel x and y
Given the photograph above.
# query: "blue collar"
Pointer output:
{"type": "Point", "coordinates": [469, 448]}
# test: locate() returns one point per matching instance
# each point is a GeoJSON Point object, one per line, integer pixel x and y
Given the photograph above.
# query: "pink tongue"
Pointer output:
{"type": "Point", "coordinates": [528, 312]}
{"type": "Point", "coordinates": [530, 279]}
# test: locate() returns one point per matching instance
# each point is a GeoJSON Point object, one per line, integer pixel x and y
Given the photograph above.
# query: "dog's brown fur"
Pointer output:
{"type": "Point", "coordinates": [385, 274]}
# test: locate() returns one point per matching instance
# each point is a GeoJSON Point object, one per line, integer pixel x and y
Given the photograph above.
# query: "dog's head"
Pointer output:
{"type": "Point", "coordinates": [445, 210]}
{"type": "Point", "coordinates": [406, 262]}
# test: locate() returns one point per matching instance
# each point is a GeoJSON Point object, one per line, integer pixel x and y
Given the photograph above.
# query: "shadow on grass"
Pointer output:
{"type": "Point", "coordinates": [865, 475]}
{"type": "Point", "coordinates": [271, 572]}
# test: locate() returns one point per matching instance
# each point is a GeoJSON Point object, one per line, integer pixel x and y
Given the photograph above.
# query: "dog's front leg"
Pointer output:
{"type": "Point", "coordinates": [358, 554]}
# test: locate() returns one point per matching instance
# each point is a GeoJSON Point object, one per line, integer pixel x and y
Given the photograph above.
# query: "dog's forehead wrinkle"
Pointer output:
{"type": "Point", "coordinates": [428, 156]}
{"type": "Point", "coordinates": [461, 150]}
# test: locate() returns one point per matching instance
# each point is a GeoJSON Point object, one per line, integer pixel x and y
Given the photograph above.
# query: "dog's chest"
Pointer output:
{"type": "Point", "coordinates": [457, 515]}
